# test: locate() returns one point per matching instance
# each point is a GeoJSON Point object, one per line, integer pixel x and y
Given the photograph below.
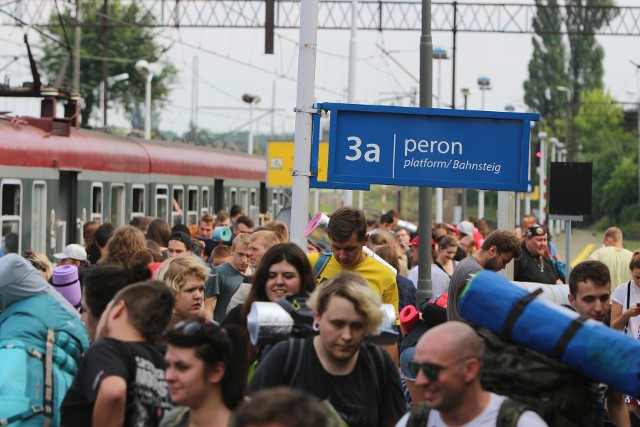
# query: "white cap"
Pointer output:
{"type": "Point", "coordinates": [73, 251]}
{"type": "Point", "coordinates": [466, 227]}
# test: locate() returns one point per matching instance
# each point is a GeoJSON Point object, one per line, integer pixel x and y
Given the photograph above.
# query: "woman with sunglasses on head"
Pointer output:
{"type": "Point", "coordinates": [206, 372]}
{"type": "Point", "coordinates": [283, 270]}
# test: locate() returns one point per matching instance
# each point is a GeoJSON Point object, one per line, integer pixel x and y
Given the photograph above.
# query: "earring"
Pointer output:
{"type": "Point", "coordinates": [316, 327]}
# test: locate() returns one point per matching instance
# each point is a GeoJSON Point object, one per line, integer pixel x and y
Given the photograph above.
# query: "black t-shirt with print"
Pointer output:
{"type": "Point", "coordinates": [140, 364]}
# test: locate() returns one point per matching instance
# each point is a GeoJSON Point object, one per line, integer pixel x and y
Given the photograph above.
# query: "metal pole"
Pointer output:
{"type": "Point", "coordinates": [76, 49]}
{"type": "Point", "coordinates": [425, 288]}
{"type": "Point", "coordinates": [439, 190]}
{"type": "Point", "coordinates": [552, 158]}
{"type": "Point", "coordinates": [250, 144]}
{"type": "Point", "coordinates": [347, 195]}
{"type": "Point", "coordinates": [304, 110]}
{"type": "Point", "coordinates": [147, 102]}
{"type": "Point", "coordinates": [543, 179]}
{"type": "Point", "coordinates": [568, 246]}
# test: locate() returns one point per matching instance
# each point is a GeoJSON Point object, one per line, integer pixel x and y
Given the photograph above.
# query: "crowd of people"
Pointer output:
{"type": "Point", "coordinates": [147, 324]}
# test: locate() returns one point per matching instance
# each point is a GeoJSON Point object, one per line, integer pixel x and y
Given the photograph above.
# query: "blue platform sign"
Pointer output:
{"type": "Point", "coordinates": [429, 147]}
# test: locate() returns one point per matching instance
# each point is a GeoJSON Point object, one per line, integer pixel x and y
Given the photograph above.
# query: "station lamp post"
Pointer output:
{"type": "Point", "coordinates": [439, 54]}
{"type": "Point", "coordinates": [484, 84]}
{"type": "Point", "coordinates": [542, 193]}
{"type": "Point", "coordinates": [110, 81]}
{"type": "Point", "coordinates": [251, 100]}
{"type": "Point", "coordinates": [148, 70]}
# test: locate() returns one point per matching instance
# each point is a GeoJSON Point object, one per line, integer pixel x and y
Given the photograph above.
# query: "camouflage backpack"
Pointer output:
{"type": "Point", "coordinates": [560, 395]}
{"type": "Point", "coordinates": [508, 416]}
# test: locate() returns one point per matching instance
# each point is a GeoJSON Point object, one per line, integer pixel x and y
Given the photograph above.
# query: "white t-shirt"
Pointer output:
{"type": "Point", "coordinates": [439, 279]}
{"type": "Point", "coordinates": [620, 296]}
{"type": "Point", "coordinates": [487, 418]}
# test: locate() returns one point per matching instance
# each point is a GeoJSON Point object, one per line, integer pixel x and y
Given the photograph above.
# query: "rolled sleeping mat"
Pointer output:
{"type": "Point", "coordinates": [585, 345]}
{"type": "Point", "coordinates": [268, 322]}
{"type": "Point", "coordinates": [222, 234]}
{"type": "Point", "coordinates": [558, 294]}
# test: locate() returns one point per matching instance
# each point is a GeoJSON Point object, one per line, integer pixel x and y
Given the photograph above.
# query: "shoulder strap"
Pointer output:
{"type": "Point", "coordinates": [322, 262]}
{"type": "Point", "coordinates": [419, 415]}
{"type": "Point", "coordinates": [293, 360]}
{"type": "Point", "coordinates": [48, 379]}
{"type": "Point", "coordinates": [509, 414]}
{"type": "Point", "coordinates": [628, 293]}
{"type": "Point", "coordinates": [375, 357]}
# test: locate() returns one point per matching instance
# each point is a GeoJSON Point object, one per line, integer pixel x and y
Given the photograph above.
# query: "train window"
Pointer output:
{"type": "Point", "coordinates": [162, 203]}
{"type": "Point", "coordinates": [177, 214]}
{"type": "Point", "coordinates": [204, 205]}
{"type": "Point", "coordinates": [192, 205]}
{"type": "Point", "coordinates": [96, 202]}
{"type": "Point", "coordinates": [10, 221]}
{"type": "Point", "coordinates": [253, 201]}
{"type": "Point", "coordinates": [234, 197]}
{"type": "Point", "coordinates": [117, 205]}
{"type": "Point", "coordinates": [39, 217]}
{"type": "Point", "coordinates": [137, 201]}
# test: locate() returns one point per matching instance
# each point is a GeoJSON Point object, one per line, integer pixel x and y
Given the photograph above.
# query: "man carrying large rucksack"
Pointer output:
{"type": "Point", "coordinates": [447, 365]}
{"type": "Point", "coordinates": [41, 341]}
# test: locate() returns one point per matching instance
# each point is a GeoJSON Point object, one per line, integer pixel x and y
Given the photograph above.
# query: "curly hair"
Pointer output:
{"type": "Point", "coordinates": [123, 244]}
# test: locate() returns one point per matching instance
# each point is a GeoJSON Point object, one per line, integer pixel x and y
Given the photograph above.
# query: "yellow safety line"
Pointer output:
{"type": "Point", "coordinates": [583, 255]}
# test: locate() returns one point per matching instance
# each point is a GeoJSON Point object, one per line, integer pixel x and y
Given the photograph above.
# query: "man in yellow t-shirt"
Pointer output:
{"type": "Point", "coordinates": [348, 234]}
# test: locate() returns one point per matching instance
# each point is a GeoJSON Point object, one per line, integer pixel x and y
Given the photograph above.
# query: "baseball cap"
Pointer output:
{"type": "Point", "coordinates": [466, 227]}
{"type": "Point", "coordinates": [416, 240]}
{"type": "Point", "coordinates": [73, 251]}
{"type": "Point", "coordinates": [536, 230]}
{"type": "Point", "coordinates": [183, 237]}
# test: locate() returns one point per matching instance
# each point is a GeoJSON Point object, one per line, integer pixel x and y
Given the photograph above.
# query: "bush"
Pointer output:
{"type": "Point", "coordinates": [631, 230]}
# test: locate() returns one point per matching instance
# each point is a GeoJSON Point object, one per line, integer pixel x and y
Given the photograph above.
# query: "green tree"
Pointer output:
{"type": "Point", "coordinates": [547, 69]}
{"type": "Point", "coordinates": [580, 70]}
{"type": "Point", "coordinates": [129, 40]}
{"type": "Point", "coordinates": [612, 150]}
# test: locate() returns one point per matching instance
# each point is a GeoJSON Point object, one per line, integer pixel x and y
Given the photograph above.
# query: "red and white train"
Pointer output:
{"type": "Point", "coordinates": [54, 178]}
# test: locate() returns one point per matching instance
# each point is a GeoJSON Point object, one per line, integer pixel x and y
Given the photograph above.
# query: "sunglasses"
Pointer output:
{"type": "Point", "coordinates": [430, 370]}
{"type": "Point", "coordinates": [192, 327]}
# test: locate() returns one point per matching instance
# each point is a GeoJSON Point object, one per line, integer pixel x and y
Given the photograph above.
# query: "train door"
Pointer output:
{"type": "Point", "coordinates": [118, 206]}
{"type": "Point", "coordinates": [192, 205]}
{"type": "Point", "coordinates": [11, 215]}
{"type": "Point", "coordinates": [39, 217]}
{"type": "Point", "coordinates": [233, 198]}
{"type": "Point", "coordinates": [161, 208]}
{"type": "Point", "coordinates": [218, 195]}
{"type": "Point", "coordinates": [67, 221]}
{"type": "Point", "coordinates": [137, 201]}
{"type": "Point", "coordinates": [177, 213]}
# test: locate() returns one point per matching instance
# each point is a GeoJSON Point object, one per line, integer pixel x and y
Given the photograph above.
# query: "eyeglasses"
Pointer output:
{"type": "Point", "coordinates": [430, 370]}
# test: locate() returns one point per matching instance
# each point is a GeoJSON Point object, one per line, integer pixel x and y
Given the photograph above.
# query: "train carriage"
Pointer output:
{"type": "Point", "coordinates": [53, 179]}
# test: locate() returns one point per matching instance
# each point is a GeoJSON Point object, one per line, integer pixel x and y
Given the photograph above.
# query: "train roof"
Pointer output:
{"type": "Point", "coordinates": [25, 145]}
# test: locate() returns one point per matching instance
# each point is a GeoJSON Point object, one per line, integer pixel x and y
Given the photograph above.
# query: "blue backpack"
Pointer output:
{"type": "Point", "coordinates": [41, 344]}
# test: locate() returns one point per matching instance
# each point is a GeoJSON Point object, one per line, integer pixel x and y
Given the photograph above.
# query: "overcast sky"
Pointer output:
{"type": "Point", "coordinates": [232, 62]}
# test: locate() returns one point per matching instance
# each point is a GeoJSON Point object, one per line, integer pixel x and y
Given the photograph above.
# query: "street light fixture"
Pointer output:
{"type": "Point", "coordinates": [484, 84]}
{"type": "Point", "coordinates": [110, 81]}
{"type": "Point", "coordinates": [440, 54]}
{"type": "Point", "coordinates": [251, 100]}
{"type": "Point", "coordinates": [148, 70]}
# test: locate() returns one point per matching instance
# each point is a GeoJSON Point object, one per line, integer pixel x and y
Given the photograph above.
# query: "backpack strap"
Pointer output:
{"type": "Point", "coordinates": [567, 336]}
{"type": "Point", "coordinates": [23, 416]}
{"type": "Point", "coordinates": [419, 415]}
{"type": "Point", "coordinates": [626, 325]}
{"type": "Point", "coordinates": [293, 360]}
{"type": "Point", "coordinates": [322, 262]}
{"type": "Point", "coordinates": [375, 358]}
{"type": "Point", "coordinates": [509, 413]}
{"type": "Point", "coordinates": [516, 311]}
{"type": "Point", "coordinates": [48, 379]}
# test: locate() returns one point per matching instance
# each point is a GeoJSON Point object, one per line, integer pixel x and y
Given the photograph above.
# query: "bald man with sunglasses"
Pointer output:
{"type": "Point", "coordinates": [447, 367]}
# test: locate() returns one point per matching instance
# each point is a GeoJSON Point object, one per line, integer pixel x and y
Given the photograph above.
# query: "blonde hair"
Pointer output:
{"type": "Point", "coordinates": [174, 271]}
{"type": "Point", "coordinates": [242, 239]}
{"type": "Point", "coordinates": [355, 289]}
